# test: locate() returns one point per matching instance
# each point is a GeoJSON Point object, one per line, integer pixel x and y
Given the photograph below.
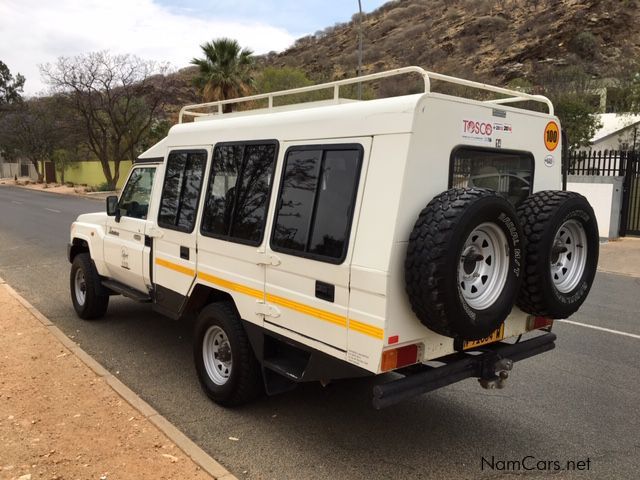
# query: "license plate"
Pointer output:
{"type": "Point", "coordinates": [494, 337]}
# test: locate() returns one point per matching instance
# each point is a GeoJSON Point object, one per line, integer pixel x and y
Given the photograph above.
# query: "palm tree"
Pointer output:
{"type": "Point", "coordinates": [225, 71]}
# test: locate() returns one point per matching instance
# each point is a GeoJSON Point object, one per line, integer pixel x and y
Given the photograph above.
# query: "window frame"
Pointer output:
{"type": "Point", "coordinates": [204, 169]}
{"type": "Point", "coordinates": [153, 182]}
{"type": "Point", "coordinates": [324, 148]}
{"type": "Point", "coordinates": [522, 153]}
{"type": "Point", "coordinates": [229, 238]}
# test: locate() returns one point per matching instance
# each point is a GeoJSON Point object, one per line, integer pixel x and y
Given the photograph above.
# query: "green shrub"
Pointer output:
{"type": "Point", "coordinates": [585, 44]}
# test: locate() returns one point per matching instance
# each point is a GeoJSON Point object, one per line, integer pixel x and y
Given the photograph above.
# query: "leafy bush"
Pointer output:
{"type": "Point", "coordinates": [103, 187]}
{"type": "Point", "coordinates": [585, 44]}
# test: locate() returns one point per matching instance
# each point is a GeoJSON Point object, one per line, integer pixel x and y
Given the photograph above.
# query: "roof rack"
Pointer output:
{"type": "Point", "coordinates": [513, 96]}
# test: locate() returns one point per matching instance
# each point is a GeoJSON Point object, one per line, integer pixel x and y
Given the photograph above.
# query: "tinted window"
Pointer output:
{"type": "Point", "coordinates": [238, 191]}
{"type": "Point", "coordinates": [316, 202]}
{"type": "Point", "coordinates": [509, 173]}
{"type": "Point", "coordinates": [296, 199]}
{"type": "Point", "coordinates": [181, 189]}
{"type": "Point", "coordinates": [134, 201]}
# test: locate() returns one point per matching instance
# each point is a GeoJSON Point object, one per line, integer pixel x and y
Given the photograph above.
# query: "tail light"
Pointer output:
{"type": "Point", "coordinates": [400, 357]}
{"type": "Point", "coordinates": [534, 323]}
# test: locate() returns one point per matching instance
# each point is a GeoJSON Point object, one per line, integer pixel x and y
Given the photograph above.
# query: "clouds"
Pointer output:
{"type": "Point", "coordinates": [33, 32]}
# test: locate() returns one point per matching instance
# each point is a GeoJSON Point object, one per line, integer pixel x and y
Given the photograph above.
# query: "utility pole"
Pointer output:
{"type": "Point", "coordinates": [360, 48]}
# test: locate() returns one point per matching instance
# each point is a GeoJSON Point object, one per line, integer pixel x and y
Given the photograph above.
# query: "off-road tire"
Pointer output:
{"type": "Point", "coordinates": [95, 303]}
{"type": "Point", "coordinates": [541, 216]}
{"type": "Point", "coordinates": [434, 255]}
{"type": "Point", "coordinates": [245, 381]}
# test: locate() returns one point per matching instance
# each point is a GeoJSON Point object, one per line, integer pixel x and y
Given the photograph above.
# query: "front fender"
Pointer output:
{"type": "Point", "coordinates": [93, 235]}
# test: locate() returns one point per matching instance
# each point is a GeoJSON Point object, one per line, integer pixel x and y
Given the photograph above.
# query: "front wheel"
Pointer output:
{"type": "Point", "coordinates": [227, 368]}
{"type": "Point", "coordinates": [87, 300]}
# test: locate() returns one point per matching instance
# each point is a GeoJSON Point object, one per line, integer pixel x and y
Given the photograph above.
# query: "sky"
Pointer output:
{"type": "Point", "coordinates": [35, 32]}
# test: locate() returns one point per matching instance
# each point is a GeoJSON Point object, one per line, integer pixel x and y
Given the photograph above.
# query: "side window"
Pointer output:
{"type": "Point", "coordinates": [238, 191]}
{"type": "Point", "coordinates": [181, 189]}
{"type": "Point", "coordinates": [316, 201]}
{"type": "Point", "coordinates": [134, 201]}
{"type": "Point", "coordinates": [509, 173]}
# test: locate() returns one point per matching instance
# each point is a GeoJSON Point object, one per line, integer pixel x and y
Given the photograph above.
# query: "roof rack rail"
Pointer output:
{"type": "Point", "coordinates": [513, 96]}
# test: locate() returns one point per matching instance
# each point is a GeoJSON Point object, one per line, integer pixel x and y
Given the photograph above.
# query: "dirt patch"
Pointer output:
{"type": "Point", "coordinates": [59, 420]}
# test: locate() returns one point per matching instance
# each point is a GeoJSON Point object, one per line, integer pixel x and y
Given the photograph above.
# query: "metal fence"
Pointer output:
{"type": "Point", "coordinates": [609, 163]}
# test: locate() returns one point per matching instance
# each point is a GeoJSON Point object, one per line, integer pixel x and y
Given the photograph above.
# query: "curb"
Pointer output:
{"type": "Point", "coordinates": [193, 451]}
{"type": "Point", "coordinates": [623, 274]}
{"type": "Point", "coordinates": [46, 190]}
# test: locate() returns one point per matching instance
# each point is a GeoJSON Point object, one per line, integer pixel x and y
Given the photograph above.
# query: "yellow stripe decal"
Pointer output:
{"type": "Point", "coordinates": [231, 285]}
{"type": "Point", "coordinates": [338, 320]}
{"type": "Point", "coordinates": [175, 267]}
{"type": "Point", "coordinates": [366, 329]}
{"type": "Point", "coordinates": [307, 310]}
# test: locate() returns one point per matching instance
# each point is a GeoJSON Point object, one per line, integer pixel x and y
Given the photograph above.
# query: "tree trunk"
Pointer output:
{"type": "Point", "coordinates": [106, 169]}
{"type": "Point", "coordinates": [36, 164]}
{"type": "Point", "coordinates": [116, 174]}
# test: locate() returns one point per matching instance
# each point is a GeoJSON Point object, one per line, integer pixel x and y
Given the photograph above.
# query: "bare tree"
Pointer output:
{"type": "Point", "coordinates": [118, 99]}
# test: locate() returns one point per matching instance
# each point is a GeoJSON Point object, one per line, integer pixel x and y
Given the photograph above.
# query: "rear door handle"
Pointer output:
{"type": "Point", "coordinates": [325, 291]}
{"type": "Point", "coordinates": [184, 253]}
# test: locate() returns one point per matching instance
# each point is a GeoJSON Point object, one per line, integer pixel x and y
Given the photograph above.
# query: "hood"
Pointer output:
{"type": "Point", "coordinates": [98, 218]}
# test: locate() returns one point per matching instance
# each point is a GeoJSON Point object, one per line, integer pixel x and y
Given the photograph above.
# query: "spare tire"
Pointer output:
{"type": "Point", "coordinates": [560, 252]}
{"type": "Point", "coordinates": [462, 269]}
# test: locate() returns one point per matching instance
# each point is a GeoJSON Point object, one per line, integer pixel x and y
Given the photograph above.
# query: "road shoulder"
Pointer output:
{"type": "Point", "coordinates": [62, 415]}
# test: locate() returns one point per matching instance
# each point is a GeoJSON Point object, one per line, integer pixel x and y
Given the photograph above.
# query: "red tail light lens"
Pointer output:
{"type": "Point", "coordinates": [400, 357]}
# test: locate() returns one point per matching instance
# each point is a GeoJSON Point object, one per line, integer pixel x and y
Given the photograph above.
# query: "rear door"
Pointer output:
{"type": "Point", "coordinates": [174, 237]}
{"type": "Point", "coordinates": [231, 241]}
{"type": "Point", "coordinates": [308, 278]}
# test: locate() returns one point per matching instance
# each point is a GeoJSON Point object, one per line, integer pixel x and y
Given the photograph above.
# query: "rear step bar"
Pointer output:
{"type": "Point", "coordinates": [490, 367]}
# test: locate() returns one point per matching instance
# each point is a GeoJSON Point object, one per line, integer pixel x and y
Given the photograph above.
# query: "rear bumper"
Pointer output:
{"type": "Point", "coordinates": [458, 367]}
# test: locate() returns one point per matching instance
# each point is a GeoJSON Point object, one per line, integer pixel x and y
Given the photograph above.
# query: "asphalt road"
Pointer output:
{"type": "Point", "coordinates": [578, 402]}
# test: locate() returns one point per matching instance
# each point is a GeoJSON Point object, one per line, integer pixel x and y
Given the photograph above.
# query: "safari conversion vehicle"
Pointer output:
{"type": "Point", "coordinates": [424, 234]}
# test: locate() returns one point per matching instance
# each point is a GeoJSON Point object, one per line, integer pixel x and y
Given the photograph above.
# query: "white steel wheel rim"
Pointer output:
{"type": "Point", "coordinates": [483, 266]}
{"type": "Point", "coordinates": [80, 287]}
{"type": "Point", "coordinates": [216, 353]}
{"type": "Point", "coordinates": [568, 256]}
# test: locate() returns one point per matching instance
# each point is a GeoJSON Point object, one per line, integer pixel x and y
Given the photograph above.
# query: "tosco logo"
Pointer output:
{"type": "Point", "coordinates": [477, 128]}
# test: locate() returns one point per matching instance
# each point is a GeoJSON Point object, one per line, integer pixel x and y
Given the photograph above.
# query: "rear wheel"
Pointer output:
{"type": "Point", "coordinates": [227, 368]}
{"type": "Point", "coordinates": [88, 302]}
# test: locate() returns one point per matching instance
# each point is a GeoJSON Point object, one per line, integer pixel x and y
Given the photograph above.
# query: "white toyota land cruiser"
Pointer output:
{"type": "Point", "coordinates": [424, 234]}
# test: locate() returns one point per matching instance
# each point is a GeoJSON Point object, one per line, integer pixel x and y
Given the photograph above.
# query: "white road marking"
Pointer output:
{"type": "Point", "coordinates": [16, 202]}
{"type": "Point", "coordinates": [602, 329]}
{"type": "Point", "coordinates": [53, 210]}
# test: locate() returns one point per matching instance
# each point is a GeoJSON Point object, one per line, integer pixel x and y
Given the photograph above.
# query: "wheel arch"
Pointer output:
{"type": "Point", "coordinates": [78, 245]}
{"type": "Point", "coordinates": [203, 295]}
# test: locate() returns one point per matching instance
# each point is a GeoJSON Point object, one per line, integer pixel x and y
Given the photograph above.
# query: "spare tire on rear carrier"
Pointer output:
{"type": "Point", "coordinates": [561, 253]}
{"type": "Point", "coordinates": [463, 265]}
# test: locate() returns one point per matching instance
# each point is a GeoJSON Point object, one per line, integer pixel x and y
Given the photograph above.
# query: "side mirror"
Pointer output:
{"type": "Point", "coordinates": [112, 206]}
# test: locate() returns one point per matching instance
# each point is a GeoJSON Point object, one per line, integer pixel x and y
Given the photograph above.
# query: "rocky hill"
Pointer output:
{"type": "Point", "coordinates": [496, 41]}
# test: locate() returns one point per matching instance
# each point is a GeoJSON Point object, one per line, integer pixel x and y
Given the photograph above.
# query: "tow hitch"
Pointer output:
{"type": "Point", "coordinates": [491, 364]}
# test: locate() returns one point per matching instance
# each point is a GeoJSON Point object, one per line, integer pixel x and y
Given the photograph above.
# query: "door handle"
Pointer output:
{"type": "Point", "coordinates": [325, 291]}
{"type": "Point", "coordinates": [184, 253]}
{"type": "Point", "coordinates": [137, 237]}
